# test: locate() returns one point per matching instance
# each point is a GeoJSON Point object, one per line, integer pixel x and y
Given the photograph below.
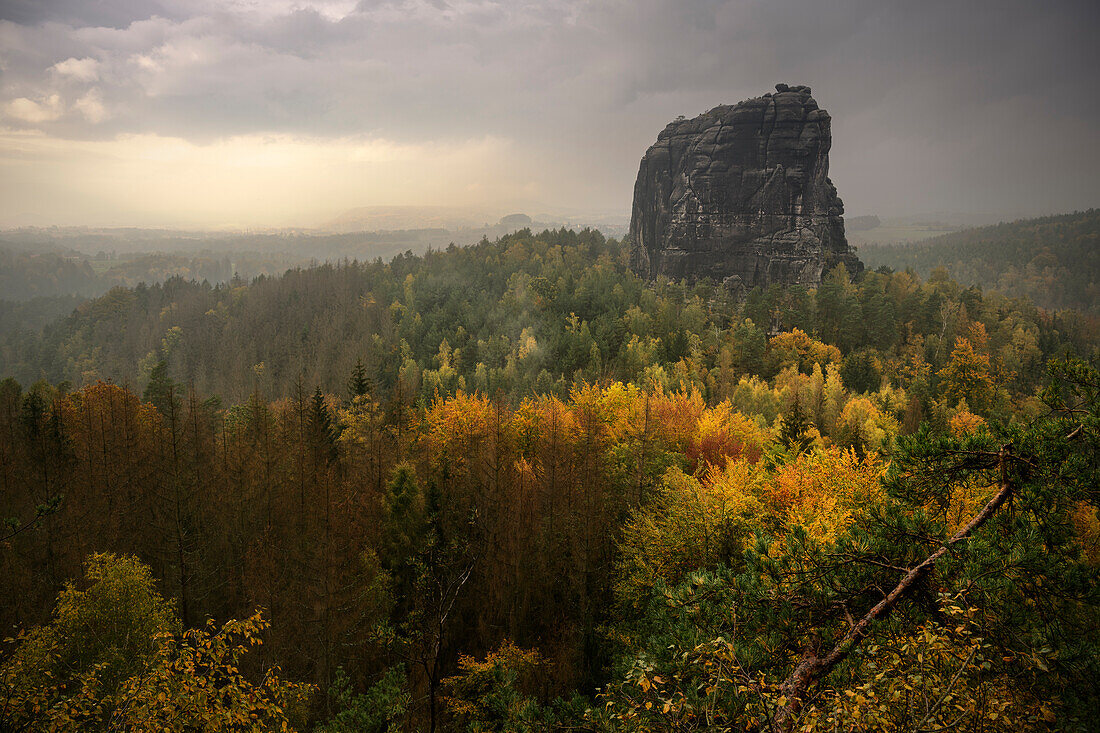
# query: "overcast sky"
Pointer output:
{"type": "Point", "coordinates": [287, 112]}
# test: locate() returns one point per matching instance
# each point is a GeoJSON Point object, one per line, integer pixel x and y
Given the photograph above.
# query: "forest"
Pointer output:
{"type": "Point", "coordinates": [59, 273]}
{"type": "Point", "coordinates": [1052, 260]}
{"type": "Point", "coordinates": [41, 262]}
{"type": "Point", "coordinates": [46, 272]}
{"type": "Point", "coordinates": [513, 487]}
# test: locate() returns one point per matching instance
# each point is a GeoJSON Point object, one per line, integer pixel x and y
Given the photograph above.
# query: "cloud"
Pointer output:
{"type": "Point", "coordinates": [581, 87]}
{"type": "Point", "coordinates": [246, 180]}
{"type": "Point", "coordinates": [77, 13]}
{"type": "Point", "coordinates": [86, 69]}
{"type": "Point", "coordinates": [28, 110]}
{"type": "Point", "coordinates": [91, 106]}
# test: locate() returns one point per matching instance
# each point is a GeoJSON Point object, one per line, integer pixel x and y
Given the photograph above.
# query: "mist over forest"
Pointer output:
{"type": "Point", "coordinates": [453, 367]}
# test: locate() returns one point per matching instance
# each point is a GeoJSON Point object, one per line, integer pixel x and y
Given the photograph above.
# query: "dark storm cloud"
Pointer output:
{"type": "Point", "coordinates": [111, 13]}
{"type": "Point", "coordinates": [986, 106]}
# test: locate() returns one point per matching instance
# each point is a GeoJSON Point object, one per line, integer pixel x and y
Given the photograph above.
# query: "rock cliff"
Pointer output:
{"type": "Point", "coordinates": [741, 194]}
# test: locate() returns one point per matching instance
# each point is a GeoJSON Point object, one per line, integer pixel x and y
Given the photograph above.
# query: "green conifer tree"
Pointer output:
{"type": "Point", "coordinates": [359, 384]}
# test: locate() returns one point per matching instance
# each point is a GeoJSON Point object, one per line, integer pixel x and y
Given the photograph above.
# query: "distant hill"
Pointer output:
{"type": "Point", "coordinates": [862, 223]}
{"type": "Point", "coordinates": [1053, 260]}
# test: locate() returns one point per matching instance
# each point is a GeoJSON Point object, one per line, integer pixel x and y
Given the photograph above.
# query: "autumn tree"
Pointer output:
{"type": "Point", "coordinates": [497, 693]}
{"type": "Point", "coordinates": [967, 377]}
{"type": "Point", "coordinates": [966, 552]}
{"type": "Point", "coordinates": [114, 657]}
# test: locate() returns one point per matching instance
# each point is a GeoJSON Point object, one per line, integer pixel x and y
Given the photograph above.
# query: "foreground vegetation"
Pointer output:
{"type": "Point", "coordinates": [513, 488]}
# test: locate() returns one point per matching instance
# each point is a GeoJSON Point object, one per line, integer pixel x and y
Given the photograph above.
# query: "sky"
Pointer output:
{"type": "Point", "coordinates": [276, 113]}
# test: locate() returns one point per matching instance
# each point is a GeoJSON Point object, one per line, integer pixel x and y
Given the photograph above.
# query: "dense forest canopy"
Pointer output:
{"type": "Point", "coordinates": [513, 487]}
{"type": "Point", "coordinates": [53, 267]}
{"type": "Point", "coordinates": [1054, 260]}
{"type": "Point", "coordinates": [525, 312]}
{"type": "Point", "coordinates": [53, 261]}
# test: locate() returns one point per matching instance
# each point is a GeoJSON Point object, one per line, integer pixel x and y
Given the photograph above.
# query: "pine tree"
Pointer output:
{"type": "Point", "coordinates": [359, 384]}
{"type": "Point", "coordinates": [404, 522]}
{"type": "Point", "coordinates": [323, 431]}
{"type": "Point", "coordinates": [161, 390]}
{"type": "Point", "coordinates": [794, 428]}
{"type": "Point", "coordinates": [860, 374]}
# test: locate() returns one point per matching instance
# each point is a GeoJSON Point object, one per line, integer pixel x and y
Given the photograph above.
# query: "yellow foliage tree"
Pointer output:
{"type": "Point", "coordinates": [112, 659]}
{"type": "Point", "coordinates": [698, 523]}
{"type": "Point", "coordinates": [796, 348]}
{"type": "Point", "coordinates": [967, 376]}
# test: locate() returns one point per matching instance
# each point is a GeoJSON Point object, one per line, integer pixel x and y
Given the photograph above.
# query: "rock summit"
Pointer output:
{"type": "Point", "coordinates": [741, 194]}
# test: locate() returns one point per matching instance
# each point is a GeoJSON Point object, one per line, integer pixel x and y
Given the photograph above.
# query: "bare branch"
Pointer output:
{"type": "Point", "coordinates": [813, 668]}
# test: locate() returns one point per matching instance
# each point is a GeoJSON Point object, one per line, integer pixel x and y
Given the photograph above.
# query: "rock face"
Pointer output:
{"type": "Point", "coordinates": [741, 194]}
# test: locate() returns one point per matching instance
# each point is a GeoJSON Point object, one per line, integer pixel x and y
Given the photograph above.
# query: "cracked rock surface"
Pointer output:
{"type": "Point", "coordinates": [741, 194]}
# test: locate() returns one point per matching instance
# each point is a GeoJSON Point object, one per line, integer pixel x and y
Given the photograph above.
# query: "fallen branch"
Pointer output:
{"type": "Point", "coordinates": [813, 668]}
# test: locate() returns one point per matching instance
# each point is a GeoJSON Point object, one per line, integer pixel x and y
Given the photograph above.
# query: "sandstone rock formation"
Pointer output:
{"type": "Point", "coordinates": [741, 194]}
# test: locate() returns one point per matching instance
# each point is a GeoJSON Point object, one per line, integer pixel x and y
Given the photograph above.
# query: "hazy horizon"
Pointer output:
{"type": "Point", "coordinates": [204, 115]}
